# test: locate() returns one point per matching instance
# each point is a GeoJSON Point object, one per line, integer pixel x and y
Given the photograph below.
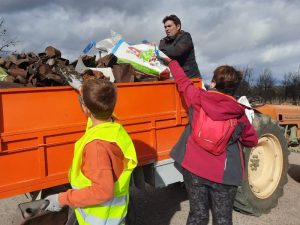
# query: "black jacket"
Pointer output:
{"type": "Point", "coordinates": [181, 48]}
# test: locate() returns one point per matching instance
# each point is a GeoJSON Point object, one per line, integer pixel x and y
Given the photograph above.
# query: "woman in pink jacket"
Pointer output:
{"type": "Point", "coordinates": [212, 180]}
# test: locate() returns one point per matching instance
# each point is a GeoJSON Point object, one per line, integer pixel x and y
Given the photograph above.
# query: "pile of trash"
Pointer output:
{"type": "Point", "coordinates": [122, 63]}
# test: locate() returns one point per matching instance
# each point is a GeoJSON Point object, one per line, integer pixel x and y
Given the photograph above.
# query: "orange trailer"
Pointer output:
{"type": "Point", "coordinates": [40, 125]}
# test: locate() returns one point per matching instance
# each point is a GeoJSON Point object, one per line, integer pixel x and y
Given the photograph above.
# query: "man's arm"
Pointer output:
{"type": "Point", "coordinates": [178, 48]}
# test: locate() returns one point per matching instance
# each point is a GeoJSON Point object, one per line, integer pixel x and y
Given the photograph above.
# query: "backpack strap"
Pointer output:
{"type": "Point", "coordinates": [240, 146]}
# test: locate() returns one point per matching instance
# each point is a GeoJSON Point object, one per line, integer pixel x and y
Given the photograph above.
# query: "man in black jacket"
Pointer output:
{"type": "Point", "coordinates": [178, 45]}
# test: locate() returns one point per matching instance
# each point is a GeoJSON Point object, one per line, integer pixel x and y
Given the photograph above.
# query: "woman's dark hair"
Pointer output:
{"type": "Point", "coordinates": [174, 18]}
{"type": "Point", "coordinates": [227, 79]}
{"type": "Point", "coordinates": [100, 97]}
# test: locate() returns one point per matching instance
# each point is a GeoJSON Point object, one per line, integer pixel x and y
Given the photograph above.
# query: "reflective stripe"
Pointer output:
{"type": "Point", "coordinates": [116, 201]}
{"type": "Point", "coordinates": [93, 220]}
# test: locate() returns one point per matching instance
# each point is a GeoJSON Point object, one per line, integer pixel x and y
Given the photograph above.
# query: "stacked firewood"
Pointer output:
{"type": "Point", "coordinates": [45, 69]}
{"type": "Point", "coordinates": [35, 69]}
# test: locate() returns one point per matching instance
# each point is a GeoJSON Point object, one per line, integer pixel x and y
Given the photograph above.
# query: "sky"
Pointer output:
{"type": "Point", "coordinates": [254, 33]}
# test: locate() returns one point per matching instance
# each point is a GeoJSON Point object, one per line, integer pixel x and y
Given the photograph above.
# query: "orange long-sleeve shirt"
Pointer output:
{"type": "Point", "coordinates": [102, 163]}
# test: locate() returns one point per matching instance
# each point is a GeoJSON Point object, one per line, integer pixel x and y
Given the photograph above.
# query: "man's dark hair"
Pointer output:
{"type": "Point", "coordinates": [174, 18]}
{"type": "Point", "coordinates": [227, 79]}
{"type": "Point", "coordinates": [100, 97]}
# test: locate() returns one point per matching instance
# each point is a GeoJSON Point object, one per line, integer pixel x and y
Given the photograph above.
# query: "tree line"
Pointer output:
{"type": "Point", "coordinates": [5, 40]}
{"type": "Point", "coordinates": [266, 89]}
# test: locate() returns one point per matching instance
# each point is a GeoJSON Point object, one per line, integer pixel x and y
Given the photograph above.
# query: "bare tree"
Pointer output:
{"type": "Point", "coordinates": [265, 85]}
{"type": "Point", "coordinates": [245, 87]}
{"type": "Point", "coordinates": [291, 84]}
{"type": "Point", "coordinates": [5, 40]}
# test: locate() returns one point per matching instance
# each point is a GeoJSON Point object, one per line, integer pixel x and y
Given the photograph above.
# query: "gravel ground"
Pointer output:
{"type": "Point", "coordinates": [170, 205]}
{"type": "Point", "coordinates": [8, 208]}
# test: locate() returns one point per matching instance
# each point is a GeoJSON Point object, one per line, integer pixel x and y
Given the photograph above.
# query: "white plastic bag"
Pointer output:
{"type": "Point", "coordinates": [249, 112]}
{"type": "Point", "coordinates": [80, 68]}
{"type": "Point", "coordinates": [107, 44]}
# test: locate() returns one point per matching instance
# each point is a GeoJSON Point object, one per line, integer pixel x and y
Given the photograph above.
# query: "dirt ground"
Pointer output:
{"type": "Point", "coordinates": [170, 205]}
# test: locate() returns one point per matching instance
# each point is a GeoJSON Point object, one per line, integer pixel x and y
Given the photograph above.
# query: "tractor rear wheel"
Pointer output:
{"type": "Point", "coordinates": [266, 168]}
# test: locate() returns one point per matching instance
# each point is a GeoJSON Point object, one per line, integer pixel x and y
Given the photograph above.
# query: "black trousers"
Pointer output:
{"type": "Point", "coordinates": [204, 194]}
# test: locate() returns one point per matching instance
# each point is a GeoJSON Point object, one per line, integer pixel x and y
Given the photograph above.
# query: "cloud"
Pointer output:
{"type": "Point", "coordinates": [15, 6]}
{"type": "Point", "coordinates": [260, 34]}
{"type": "Point", "coordinates": [280, 53]}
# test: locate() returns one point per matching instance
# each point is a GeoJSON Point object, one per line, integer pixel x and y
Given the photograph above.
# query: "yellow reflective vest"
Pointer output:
{"type": "Point", "coordinates": [114, 211]}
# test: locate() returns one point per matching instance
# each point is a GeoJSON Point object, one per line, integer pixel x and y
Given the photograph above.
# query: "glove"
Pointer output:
{"type": "Point", "coordinates": [53, 205]}
{"type": "Point", "coordinates": [164, 58]}
{"type": "Point", "coordinates": [72, 77]}
{"type": "Point", "coordinates": [156, 51]}
{"type": "Point", "coordinates": [74, 82]}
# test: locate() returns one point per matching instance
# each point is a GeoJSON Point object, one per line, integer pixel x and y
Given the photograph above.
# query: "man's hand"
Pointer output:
{"type": "Point", "coordinates": [54, 205]}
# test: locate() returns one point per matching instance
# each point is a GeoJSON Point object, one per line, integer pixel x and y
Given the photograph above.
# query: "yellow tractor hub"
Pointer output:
{"type": "Point", "coordinates": [265, 166]}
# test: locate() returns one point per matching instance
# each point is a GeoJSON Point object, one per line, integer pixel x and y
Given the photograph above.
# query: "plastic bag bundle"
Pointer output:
{"type": "Point", "coordinates": [141, 56]}
{"type": "Point", "coordinates": [106, 45]}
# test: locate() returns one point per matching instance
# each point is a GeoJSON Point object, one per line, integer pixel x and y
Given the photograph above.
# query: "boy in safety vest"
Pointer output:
{"type": "Point", "coordinates": [104, 158]}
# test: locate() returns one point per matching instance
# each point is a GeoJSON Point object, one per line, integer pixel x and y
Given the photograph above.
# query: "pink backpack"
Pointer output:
{"type": "Point", "coordinates": [212, 135]}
